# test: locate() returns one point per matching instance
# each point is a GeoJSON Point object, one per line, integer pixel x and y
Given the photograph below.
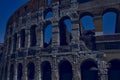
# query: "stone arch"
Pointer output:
{"type": "Point", "coordinates": [89, 70]}
{"type": "Point", "coordinates": [46, 70]}
{"type": "Point", "coordinates": [15, 42]}
{"type": "Point", "coordinates": [22, 38]}
{"type": "Point", "coordinates": [30, 71]}
{"type": "Point", "coordinates": [19, 71]}
{"type": "Point", "coordinates": [47, 34]}
{"type": "Point", "coordinates": [65, 30]}
{"type": "Point", "coordinates": [11, 76]}
{"type": "Point", "coordinates": [65, 70]}
{"type": "Point", "coordinates": [33, 39]}
{"type": "Point", "coordinates": [87, 21]}
{"type": "Point", "coordinates": [112, 14]}
{"type": "Point", "coordinates": [88, 30]}
{"type": "Point", "coordinates": [48, 13]}
{"type": "Point", "coordinates": [114, 69]}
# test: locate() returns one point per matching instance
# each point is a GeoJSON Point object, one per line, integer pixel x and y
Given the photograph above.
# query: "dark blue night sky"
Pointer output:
{"type": "Point", "coordinates": [8, 7]}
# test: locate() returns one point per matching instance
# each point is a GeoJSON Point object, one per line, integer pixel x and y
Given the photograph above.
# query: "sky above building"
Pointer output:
{"type": "Point", "coordinates": [7, 8]}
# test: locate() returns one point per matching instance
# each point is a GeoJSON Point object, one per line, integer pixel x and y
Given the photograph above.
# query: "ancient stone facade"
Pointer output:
{"type": "Point", "coordinates": [67, 56]}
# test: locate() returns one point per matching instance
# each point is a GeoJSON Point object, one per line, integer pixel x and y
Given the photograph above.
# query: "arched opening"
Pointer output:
{"type": "Point", "coordinates": [88, 30]}
{"type": "Point", "coordinates": [1, 73]}
{"type": "Point", "coordinates": [109, 21]}
{"type": "Point", "coordinates": [83, 1]}
{"type": "Point", "coordinates": [11, 30]}
{"type": "Point", "coordinates": [30, 71]}
{"type": "Point", "coordinates": [114, 70]}
{"type": "Point", "coordinates": [33, 40]}
{"type": "Point", "coordinates": [19, 71]}
{"type": "Point", "coordinates": [89, 70]}
{"type": "Point", "coordinates": [65, 70]}
{"type": "Point", "coordinates": [9, 45]}
{"type": "Point", "coordinates": [11, 76]}
{"type": "Point", "coordinates": [22, 38]}
{"type": "Point", "coordinates": [46, 70]}
{"type": "Point", "coordinates": [15, 42]}
{"type": "Point", "coordinates": [65, 28]}
{"type": "Point", "coordinates": [48, 13]}
{"type": "Point", "coordinates": [47, 34]}
{"type": "Point", "coordinates": [6, 71]}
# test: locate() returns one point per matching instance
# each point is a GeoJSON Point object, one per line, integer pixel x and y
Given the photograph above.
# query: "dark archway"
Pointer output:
{"type": "Point", "coordinates": [6, 71]}
{"type": "Point", "coordinates": [46, 70]}
{"type": "Point", "coordinates": [65, 28]}
{"type": "Point", "coordinates": [114, 70]}
{"type": "Point", "coordinates": [19, 71]}
{"type": "Point", "coordinates": [47, 34]}
{"type": "Point", "coordinates": [15, 42]}
{"type": "Point", "coordinates": [22, 38]}
{"type": "Point", "coordinates": [65, 70]}
{"type": "Point", "coordinates": [33, 40]}
{"type": "Point", "coordinates": [11, 76]}
{"type": "Point", "coordinates": [30, 71]}
{"type": "Point", "coordinates": [9, 45]}
{"type": "Point", "coordinates": [89, 70]}
{"type": "Point", "coordinates": [110, 21]}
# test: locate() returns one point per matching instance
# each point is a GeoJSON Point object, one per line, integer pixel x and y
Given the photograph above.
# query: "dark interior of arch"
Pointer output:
{"type": "Point", "coordinates": [65, 71]}
{"type": "Point", "coordinates": [19, 71]}
{"type": "Point", "coordinates": [47, 34]}
{"type": "Point", "coordinates": [83, 1]}
{"type": "Point", "coordinates": [65, 35]}
{"type": "Point", "coordinates": [15, 42]}
{"type": "Point", "coordinates": [114, 70]}
{"type": "Point", "coordinates": [46, 71]}
{"type": "Point", "coordinates": [1, 75]}
{"type": "Point", "coordinates": [11, 72]}
{"type": "Point", "coordinates": [31, 71]}
{"type": "Point", "coordinates": [9, 45]}
{"type": "Point", "coordinates": [89, 70]}
{"type": "Point", "coordinates": [22, 38]}
{"type": "Point", "coordinates": [6, 71]}
{"type": "Point", "coordinates": [33, 40]}
{"type": "Point", "coordinates": [11, 30]}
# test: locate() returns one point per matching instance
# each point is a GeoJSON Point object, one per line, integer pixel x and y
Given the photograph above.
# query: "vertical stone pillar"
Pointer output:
{"type": "Point", "coordinates": [15, 71]}
{"type": "Point", "coordinates": [24, 77]}
{"type": "Point", "coordinates": [55, 72]}
{"type": "Point", "coordinates": [8, 73]}
{"type": "Point", "coordinates": [38, 70]}
{"type": "Point", "coordinates": [19, 38]}
{"type": "Point", "coordinates": [41, 34]}
{"type": "Point", "coordinates": [27, 38]}
{"type": "Point", "coordinates": [55, 33]}
{"type": "Point", "coordinates": [98, 24]}
{"type": "Point", "coordinates": [76, 71]}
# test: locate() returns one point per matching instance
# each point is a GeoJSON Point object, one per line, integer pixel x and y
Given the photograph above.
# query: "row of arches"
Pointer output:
{"type": "Point", "coordinates": [88, 70]}
{"type": "Point", "coordinates": [110, 21]}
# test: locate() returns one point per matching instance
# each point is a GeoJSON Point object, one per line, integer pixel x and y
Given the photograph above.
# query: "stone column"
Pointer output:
{"type": "Point", "coordinates": [76, 71]}
{"type": "Point", "coordinates": [8, 72]}
{"type": "Point", "coordinates": [55, 72]}
{"type": "Point", "coordinates": [98, 24]}
{"type": "Point", "coordinates": [38, 70]}
{"type": "Point", "coordinates": [18, 41]}
{"type": "Point", "coordinates": [15, 71]}
{"type": "Point", "coordinates": [27, 37]}
{"type": "Point", "coordinates": [55, 34]}
{"type": "Point", "coordinates": [41, 34]}
{"type": "Point", "coordinates": [24, 77]}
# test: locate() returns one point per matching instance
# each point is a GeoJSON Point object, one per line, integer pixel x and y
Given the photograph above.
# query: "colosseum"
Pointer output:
{"type": "Point", "coordinates": [46, 40]}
